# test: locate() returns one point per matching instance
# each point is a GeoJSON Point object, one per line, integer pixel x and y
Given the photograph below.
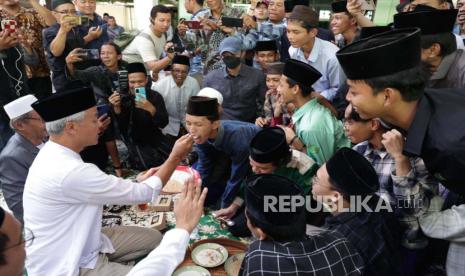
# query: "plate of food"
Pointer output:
{"type": "Point", "coordinates": [178, 178]}
{"type": "Point", "coordinates": [233, 264]}
{"type": "Point", "coordinates": [191, 270]}
{"type": "Point", "coordinates": [209, 255]}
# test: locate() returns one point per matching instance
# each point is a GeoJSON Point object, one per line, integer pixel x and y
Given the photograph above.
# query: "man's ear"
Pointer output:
{"type": "Point", "coordinates": [375, 124]}
{"type": "Point", "coordinates": [216, 124]}
{"type": "Point", "coordinates": [313, 32]}
{"type": "Point", "coordinates": [391, 96]}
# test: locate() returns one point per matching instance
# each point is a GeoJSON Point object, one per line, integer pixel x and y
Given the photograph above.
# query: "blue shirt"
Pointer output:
{"type": "Point", "coordinates": [322, 58]}
{"type": "Point", "coordinates": [96, 22]}
{"type": "Point", "coordinates": [243, 95]}
{"type": "Point", "coordinates": [233, 138]}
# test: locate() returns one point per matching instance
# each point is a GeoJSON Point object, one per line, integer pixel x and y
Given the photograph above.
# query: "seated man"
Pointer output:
{"type": "Point", "coordinates": [63, 196]}
{"type": "Point", "coordinates": [18, 154]}
{"type": "Point", "coordinates": [176, 90]}
{"type": "Point", "coordinates": [216, 141]}
{"type": "Point", "coordinates": [161, 261]}
{"type": "Point", "coordinates": [243, 87]}
{"type": "Point", "coordinates": [345, 181]}
{"type": "Point", "coordinates": [270, 154]}
{"type": "Point", "coordinates": [282, 247]}
{"type": "Point", "coordinates": [266, 52]}
{"type": "Point", "coordinates": [317, 131]}
{"type": "Point", "coordinates": [140, 119]}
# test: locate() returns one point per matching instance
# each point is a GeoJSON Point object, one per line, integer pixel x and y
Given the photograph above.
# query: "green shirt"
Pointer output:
{"type": "Point", "coordinates": [319, 130]}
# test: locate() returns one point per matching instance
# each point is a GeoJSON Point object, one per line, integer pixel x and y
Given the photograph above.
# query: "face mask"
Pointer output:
{"type": "Point", "coordinates": [231, 62]}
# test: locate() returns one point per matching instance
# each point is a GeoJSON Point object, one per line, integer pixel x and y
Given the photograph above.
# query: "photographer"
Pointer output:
{"type": "Point", "coordinates": [87, 8]}
{"type": "Point", "coordinates": [141, 118]}
{"type": "Point", "coordinates": [61, 38]}
{"type": "Point", "coordinates": [104, 80]}
{"type": "Point", "coordinates": [152, 42]}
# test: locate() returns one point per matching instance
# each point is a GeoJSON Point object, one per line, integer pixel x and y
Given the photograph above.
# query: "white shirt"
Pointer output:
{"type": "Point", "coordinates": [142, 49]}
{"type": "Point", "coordinates": [322, 58]}
{"type": "Point", "coordinates": [176, 99]}
{"type": "Point", "coordinates": [63, 201]}
{"type": "Point", "coordinates": [166, 257]}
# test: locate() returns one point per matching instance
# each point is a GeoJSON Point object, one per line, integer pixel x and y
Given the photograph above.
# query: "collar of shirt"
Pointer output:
{"type": "Point", "coordinates": [219, 137]}
{"type": "Point", "coordinates": [371, 150]}
{"type": "Point", "coordinates": [417, 131]}
{"type": "Point", "coordinates": [64, 149]}
{"type": "Point", "coordinates": [444, 66]}
{"type": "Point", "coordinates": [200, 12]}
{"type": "Point", "coordinates": [241, 72]}
{"type": "Point", "coordinates": [314, 54]}
{"type": "Point", "coordinates": [306, 108]}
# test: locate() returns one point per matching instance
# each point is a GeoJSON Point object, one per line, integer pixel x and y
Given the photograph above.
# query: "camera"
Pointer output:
{"type": "Point", "coordinates": [176, 49]}
{"type": "Point", "coordinates": [123, 89]}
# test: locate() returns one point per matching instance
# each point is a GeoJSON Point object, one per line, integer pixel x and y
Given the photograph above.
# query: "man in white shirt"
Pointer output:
{"type": "Point", "coordinates": [176, 90]}
{"type": "Point", "coordinates": [63, 196]}
{"type": "Point", "coordinates": [21, 149]}
{"type": "Point", "coordinates": [305, 46]}
{"type": "Point", "coordinates": [162, 261]}
{"type": "Point", "coordinates": [148, 46]}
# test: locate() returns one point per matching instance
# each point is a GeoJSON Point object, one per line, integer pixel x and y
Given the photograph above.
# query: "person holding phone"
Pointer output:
{"type": "Point", "coordinates": [343, 24]}
{"type": "Point", "coordinates": [87, 8]}
{"type": "Point", "coordinates": [141, 117]}
{"type": "Point", "coordinates": [104, 80]}
{"type": "Point", "coordinates": [61, 38]}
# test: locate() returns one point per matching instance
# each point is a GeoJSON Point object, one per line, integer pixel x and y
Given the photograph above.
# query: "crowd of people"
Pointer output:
{"type": "Point", "coordinates": [263, 104]}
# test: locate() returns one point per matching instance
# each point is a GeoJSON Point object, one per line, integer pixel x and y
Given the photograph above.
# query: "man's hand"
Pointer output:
{"type": "Point", "coordinates": [354, 7]}
{"type": "Point", "coordinates": [208, 24]}
{"type": "Point", "coordinates": [227, 213]}
{"type": "Point", "coordinates": [148, 173]}
{"type": "Point", "coordinates": [103, 123]}
{"type": "Point", "coordinates": [393, 141]}
{"type": "Point", "coordinates": [66, 25]}
{"type": "Point", "coordinates": [249, 23]}
{"type": "Point", "coordinates": [74, 56]}
{"type": "Point", "coordinates": [289, 133]}
{"type": "Point", "coordinates": [182, 147]}
{"type": "Point", "coordinates": [94, 33]}
{"type": "Point", "coordinates": [6, 40]}
{"type": "Point", "coordinates": [115, 100]}
{"type": "Point", "coordinates": [167, 46]}
{"type": "Point", "coordinates": [182, 28]}
{"type": "Point", "coordinates": [189, 207]}
{"type": "Point", "coordinates": [261, 122]}
{"type": "Point", "coordinates": [146, 105]}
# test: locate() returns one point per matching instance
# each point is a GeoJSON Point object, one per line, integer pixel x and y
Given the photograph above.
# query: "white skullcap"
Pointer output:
{"type": "Point", "coordinates": [19, 106]}
{"type": "Point", "coordinates": [211, 93]}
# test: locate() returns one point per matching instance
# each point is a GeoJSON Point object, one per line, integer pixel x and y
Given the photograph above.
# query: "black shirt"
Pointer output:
{"type": "Point", "coordinates": [437, 135]}
{"type": "Point", "coordinates": [139, 125]}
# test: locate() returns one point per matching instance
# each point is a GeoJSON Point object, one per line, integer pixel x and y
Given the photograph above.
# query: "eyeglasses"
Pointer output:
{"type": "Point", "coordinates": [181, 72]}
{"type": "Point", "coordinates": [67, 12]}
{"type": "Point", "coordinates": [27, 238]}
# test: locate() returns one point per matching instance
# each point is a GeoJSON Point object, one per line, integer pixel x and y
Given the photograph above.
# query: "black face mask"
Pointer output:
{"type": "Point", "coordinates": [231, 62]}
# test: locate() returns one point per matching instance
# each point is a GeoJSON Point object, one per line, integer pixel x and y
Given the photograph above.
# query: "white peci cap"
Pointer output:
{"type": "Point", "coordinates": [211, 93]}
{"type": "Point", "coordinates": [19, 106]}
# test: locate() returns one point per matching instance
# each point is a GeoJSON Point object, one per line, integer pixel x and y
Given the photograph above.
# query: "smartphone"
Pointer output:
{"type": "Point", "coordinates": [367, 5]}
{"type": "Point", "coordinates": [10, 25]}
{"type": "Point", "coordinates": [232, 22]}
{"type": "Point", "coordinates": [77, 20]}
{"type": "Point", "coordinates": [89, 54]}
{"type": "Point", "coordinates": [140, 93]}
{"type": "Point", "coordinates": [103, 109]}
{"type": "Point", "coordinates": [192, 24]}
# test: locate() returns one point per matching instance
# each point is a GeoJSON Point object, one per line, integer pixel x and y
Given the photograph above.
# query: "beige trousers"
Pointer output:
{"type": "Point", "coordinates": [130, 242]}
